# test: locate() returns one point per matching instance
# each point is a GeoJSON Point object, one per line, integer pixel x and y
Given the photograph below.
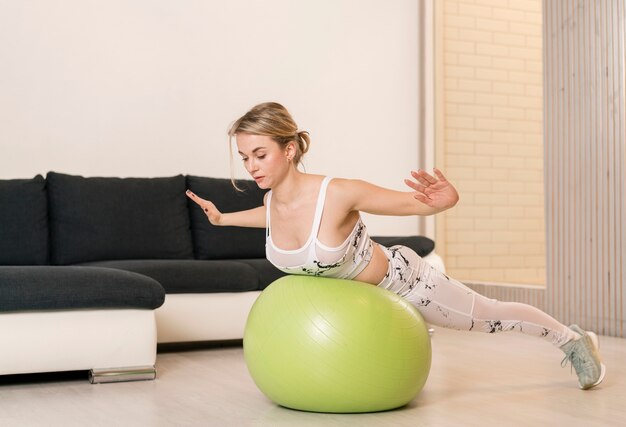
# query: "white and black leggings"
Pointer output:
{"type": "Point", "coordinates": [446, 302]}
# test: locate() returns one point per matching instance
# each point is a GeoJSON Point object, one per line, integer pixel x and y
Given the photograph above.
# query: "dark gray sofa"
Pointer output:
{"type": "Point", "coordinates": [94, 272]}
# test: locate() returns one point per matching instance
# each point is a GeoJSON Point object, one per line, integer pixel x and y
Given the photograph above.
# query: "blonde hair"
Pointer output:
{"type": "Point", "coordinates": [273, 120]}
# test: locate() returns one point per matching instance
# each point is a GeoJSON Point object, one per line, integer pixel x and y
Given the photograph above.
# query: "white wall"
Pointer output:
{"type": "Point", "coordinates": [149, 87]}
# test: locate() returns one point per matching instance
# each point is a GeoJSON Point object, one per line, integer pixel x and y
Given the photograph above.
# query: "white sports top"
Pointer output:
{"type": "Point", "coordinates": [345, 261]}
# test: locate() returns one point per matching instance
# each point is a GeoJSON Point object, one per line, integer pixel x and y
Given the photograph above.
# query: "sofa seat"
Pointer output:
{"type": "Point", "coordinates": [192, 276]}
{"type": "Point", "coordinates": [78, 318]}
{"type": "Point", "coordinates": [206, 300]}
{"type": "Point", "coordinates": [219, 316]}
{"type": "Point", "coordinates": [73, 287]}
{"type": "Point", "coordinates": [265, 270]}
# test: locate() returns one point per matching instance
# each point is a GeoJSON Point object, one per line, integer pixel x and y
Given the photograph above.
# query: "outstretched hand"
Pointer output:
{"type": "Point", "coordinates": [434, 191]}
{"type": "Point", "coordinates": [208, 207]}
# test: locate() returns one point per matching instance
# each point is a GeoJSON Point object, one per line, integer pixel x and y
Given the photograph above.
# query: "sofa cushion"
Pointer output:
{"type": "Point", "coordinates": [420, 244]}
{"type": "Point", "coordinates": [267, 273]}
{"type": "Point", "coordinates": [211, 242]}
{"type": "Point", "coordinates": [117, 218]}
{"type": "Point", "coordinates": [23, 222]}
{"type": "Point", "coordinates": [192, 276]}
{"type": "Point", "coordinates": [71, 287]}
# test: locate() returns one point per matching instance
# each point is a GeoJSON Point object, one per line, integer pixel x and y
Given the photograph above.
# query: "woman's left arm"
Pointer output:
{"type": "Point", "coordinates": [432, 194]}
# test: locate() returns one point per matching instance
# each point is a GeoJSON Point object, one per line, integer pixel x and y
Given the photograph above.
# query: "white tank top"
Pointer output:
{"type": "Point", "coordinates": [345, 261]}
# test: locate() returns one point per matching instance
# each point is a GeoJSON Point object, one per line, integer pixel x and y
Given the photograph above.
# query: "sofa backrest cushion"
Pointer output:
{"type": "Point", "coordinates": [23, 222]}
{"type": "Point", "coordinates": [117, 218]}
{"type": "Point", "coordinates": [211, 242]}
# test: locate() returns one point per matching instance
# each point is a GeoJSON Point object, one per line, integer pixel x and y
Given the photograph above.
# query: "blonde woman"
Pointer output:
{"type": "Point", "coordinates": [314, 227]}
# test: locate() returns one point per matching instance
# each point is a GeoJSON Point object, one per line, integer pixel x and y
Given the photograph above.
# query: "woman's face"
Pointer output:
{"type": "Point", "coordinates": [263, 158]}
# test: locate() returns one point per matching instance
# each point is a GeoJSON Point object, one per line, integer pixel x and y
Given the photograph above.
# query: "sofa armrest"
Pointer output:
{"type": "Point", "coordinates": [420, 244]}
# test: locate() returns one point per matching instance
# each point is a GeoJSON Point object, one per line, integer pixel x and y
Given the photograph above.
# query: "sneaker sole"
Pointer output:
{"type": "Point", "coordinates": [596, 342]}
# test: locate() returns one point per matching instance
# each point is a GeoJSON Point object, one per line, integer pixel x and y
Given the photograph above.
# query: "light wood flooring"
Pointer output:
{"type": "Point", "coordinates": [476, 380]}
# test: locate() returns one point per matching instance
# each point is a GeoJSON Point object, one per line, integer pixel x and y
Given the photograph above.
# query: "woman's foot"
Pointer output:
{"type": "Point", "coordinates": [584, 356]}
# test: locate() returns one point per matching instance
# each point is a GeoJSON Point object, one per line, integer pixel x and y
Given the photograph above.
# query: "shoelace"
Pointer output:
{"type": "Point", "coordinates": [570, 356]}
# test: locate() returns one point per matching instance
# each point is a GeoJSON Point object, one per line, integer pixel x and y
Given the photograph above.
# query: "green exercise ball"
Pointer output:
{"type": "Point", "coordinates": [332, 345]}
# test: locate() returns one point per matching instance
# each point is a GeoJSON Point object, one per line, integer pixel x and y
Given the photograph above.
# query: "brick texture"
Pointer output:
{"type": "Point", "coordinates": [492, 91]}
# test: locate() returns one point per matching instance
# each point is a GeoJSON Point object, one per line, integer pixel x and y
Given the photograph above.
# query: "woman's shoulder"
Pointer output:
{"type": "Point", "coordinates": [342, 183]}
{"type": "Point", "coordinates": [342, 189]}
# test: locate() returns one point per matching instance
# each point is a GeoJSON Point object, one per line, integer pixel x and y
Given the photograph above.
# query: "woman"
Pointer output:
{"type": "Point", "coordinates": [313, 226]}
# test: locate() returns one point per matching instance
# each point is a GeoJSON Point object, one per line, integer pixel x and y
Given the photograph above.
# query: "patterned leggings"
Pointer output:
{"type": "Point", "coordinates": [446, 302]}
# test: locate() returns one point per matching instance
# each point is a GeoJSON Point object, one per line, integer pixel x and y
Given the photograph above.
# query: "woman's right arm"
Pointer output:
{"type": "Point", "coordinates": [249, 218]}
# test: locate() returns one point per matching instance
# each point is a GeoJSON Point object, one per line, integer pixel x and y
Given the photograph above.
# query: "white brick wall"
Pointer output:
{"type": "Point", "coordinates": [492, 127]}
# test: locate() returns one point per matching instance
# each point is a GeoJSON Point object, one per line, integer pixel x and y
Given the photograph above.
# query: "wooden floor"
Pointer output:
{"type": "Point", "coordinates": [476, 380]}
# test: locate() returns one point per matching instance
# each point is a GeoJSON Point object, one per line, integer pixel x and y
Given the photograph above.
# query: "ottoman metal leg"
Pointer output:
{"type": "Point", "coordinates": [113, 375]}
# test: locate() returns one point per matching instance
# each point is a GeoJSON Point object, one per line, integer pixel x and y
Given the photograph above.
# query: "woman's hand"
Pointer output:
{"type": "Point", "coordinates": [208, 207]}
{"type": "Point", "coordinates": [436, 192]}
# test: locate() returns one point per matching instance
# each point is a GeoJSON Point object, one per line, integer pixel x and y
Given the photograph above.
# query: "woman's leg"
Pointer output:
{"type": "Point", "coordinates": [446, 302]}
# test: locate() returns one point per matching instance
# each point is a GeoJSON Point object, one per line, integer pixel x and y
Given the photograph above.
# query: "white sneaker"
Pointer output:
{"type": "Point", "coordinates": [585, 358]}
